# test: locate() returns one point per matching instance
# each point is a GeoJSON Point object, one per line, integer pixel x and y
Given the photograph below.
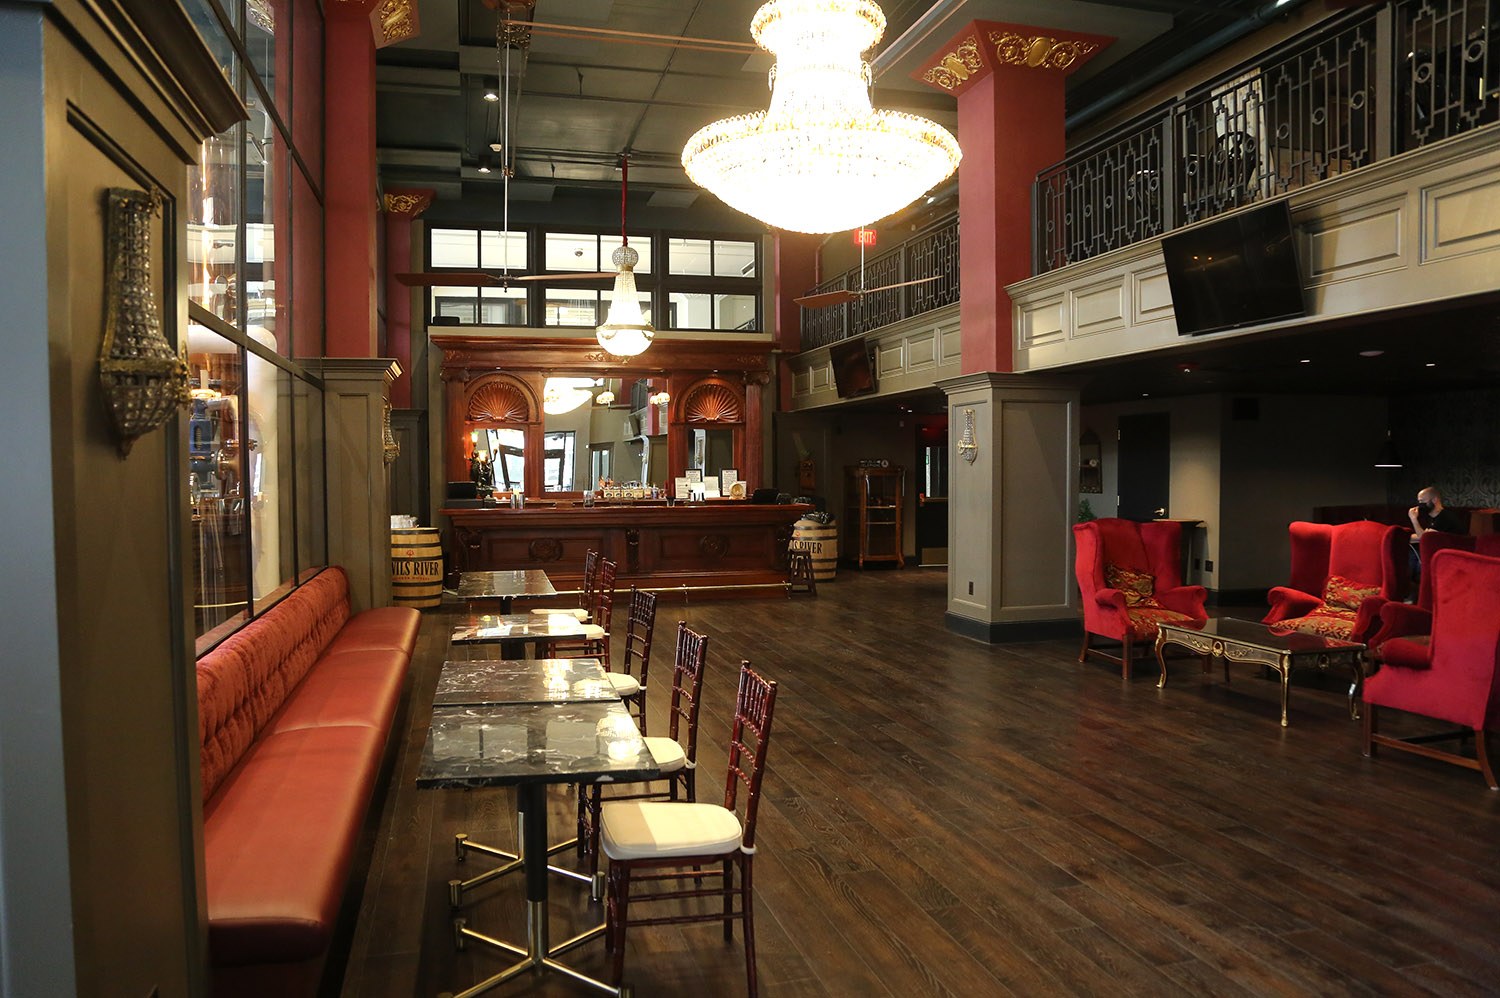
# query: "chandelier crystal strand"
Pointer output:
{"type": "Point", "coordinates": [821, 158]}
{"type": "Point", "coordinates": [626, 331]}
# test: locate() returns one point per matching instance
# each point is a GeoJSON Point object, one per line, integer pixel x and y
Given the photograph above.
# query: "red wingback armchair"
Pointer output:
{"type": "Point", "coordinates": [1130, 575]}
{"type": "Point", "coordinates": [1403, 635]}
{"type": "Point", "coordinates": [1458, 683]}
{"type": "Point", "coordinates": [1342, 574]}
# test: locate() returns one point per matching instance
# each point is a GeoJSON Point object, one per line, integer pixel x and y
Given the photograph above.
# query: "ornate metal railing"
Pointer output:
{"type": "Point", "coordinates": [1298, 114]}
{"type": "Point", "coordinates": [933, 253]}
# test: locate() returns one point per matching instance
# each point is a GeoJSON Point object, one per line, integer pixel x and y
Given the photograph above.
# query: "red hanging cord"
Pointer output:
{"type": "Point", "coordinates": [624, 187]}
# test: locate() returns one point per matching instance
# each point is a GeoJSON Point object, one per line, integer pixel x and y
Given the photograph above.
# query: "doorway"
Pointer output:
{"type": "Point", "coordinates": [1145, 459]}
{"type": "Point", "coordinates": [932, 494]}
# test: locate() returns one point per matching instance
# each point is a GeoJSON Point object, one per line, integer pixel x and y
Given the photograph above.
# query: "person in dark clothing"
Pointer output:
{"type": "Point", "coordinates": [1430, 514]}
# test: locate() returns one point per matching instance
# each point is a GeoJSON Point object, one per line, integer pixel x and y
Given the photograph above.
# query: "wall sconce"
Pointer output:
{"type": "Point", "coordinates": [659, 398]}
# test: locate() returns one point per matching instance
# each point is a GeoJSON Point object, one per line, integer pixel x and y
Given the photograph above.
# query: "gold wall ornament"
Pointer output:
{"type": "Point", "coordinates": [394, 21]}
{"type": "Point", "coordinates": [407, 202]}
{"type": "Point", "coordinates": [144, 378]}
{"type": "Point", "coordinates": [957, 66]}
{"type": "Point", "coordinates": [968, 443]}
{"type": "Point", "coordinates": [1038, 51]}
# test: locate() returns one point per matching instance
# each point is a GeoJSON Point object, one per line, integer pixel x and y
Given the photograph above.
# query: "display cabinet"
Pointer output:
{"type": "Point", "coordinates": [873, 508]}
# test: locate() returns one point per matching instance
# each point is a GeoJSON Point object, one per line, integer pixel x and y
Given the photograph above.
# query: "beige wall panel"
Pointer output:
{"type": "Point", "coordinates": [1041, 321]}
{"type": "Point", "coordinates": [952, 344]}
{"type": "Point", "coordinates": [1356, 243]}
{"type": "Point", "coordinates": [1036, 480]}
{"type": "Point", "coordinates": [1461, 216]}
{"type": "Point", "coordinates": [921, 352]}
{"type": "Point", "coordinates": [1153, 295]}
{"type": "Point", "coordinates": [802, 381]}
{"type": "Point", "coordinates": [1099, 308]}
{"type": "Point", "coordinates": [972, 506]}
{"type": "Point", "coordinates": [890, 358]}
{"type": "Point", "coordinates": [822, 377]}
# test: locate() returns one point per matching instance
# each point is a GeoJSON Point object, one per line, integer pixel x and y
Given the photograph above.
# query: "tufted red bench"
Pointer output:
{"type": "Point", "coordinates": [294, 711]}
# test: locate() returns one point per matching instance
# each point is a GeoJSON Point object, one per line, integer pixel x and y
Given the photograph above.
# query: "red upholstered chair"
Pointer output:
{"type": "Point", "coordinates": [1403, 633]}
{"type": "Point", "coordinates": [1342, 574]}
{"type": "Point", "coordinates": [1130, 575]}
{"type": "Point", "coordinates": [1458, 683]}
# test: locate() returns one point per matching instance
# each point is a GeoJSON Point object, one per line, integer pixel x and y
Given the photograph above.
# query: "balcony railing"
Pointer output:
{"type": "Point", "coordinates": [1298, 114]}
{"type": "Point", "coordinates": [930, 254]}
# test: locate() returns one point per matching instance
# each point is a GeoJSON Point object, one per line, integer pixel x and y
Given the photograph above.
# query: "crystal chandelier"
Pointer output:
{"type": "Point", "coordinates": [821, 159]}
{"type": "Point", "coordinates": [626, 331]}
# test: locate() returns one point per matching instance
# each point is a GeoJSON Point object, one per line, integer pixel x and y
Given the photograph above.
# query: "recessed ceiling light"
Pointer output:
{"type": "Point", "coordinates": [1307, 360]}
{"type": "Point", "coordinates": [1431, 365]}
{"type": "Point", "coordinates": [1371, 353]}
{"type": "Point", "coordinates": [491, 96]}
{"type": "Point", "coordinates": [483, 168]}
{"type": "Point", "coordinates": [1145, 395]}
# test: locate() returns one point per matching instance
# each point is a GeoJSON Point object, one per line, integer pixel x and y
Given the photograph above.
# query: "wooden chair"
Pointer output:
{"type": "Point", "coordinates": [586, 594]}
{"type": "Point", "coordinates": [595, 640]}
{"type": "Point", "coordinates": [630, 681]}
{"type": "Point", "coordinates": [675, 843]}
{"type": "Point", "coordinates": [676, 755]}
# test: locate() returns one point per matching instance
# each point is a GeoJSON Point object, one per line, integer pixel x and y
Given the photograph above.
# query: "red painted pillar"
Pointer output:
{"type": "Point", "coordinates": [794, 272]}
{"type": "Point", "coordinates": [350, 202]}
{"type": "Point", "coordinates": [401, 209]}
{"type": "Point", "coordinates": [1009, 80]}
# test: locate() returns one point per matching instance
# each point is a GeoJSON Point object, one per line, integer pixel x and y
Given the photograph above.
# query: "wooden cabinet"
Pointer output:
{"type": "Point", "coordinates": [874, 501]}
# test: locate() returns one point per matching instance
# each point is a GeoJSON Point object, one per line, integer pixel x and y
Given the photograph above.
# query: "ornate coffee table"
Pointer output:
{"type": "Point", "coordinates": [1250, 643]}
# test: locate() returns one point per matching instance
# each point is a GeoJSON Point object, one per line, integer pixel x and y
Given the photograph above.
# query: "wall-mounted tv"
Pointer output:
{"type": "Point", "coordinates": [852, 372]}
{"type": "Point", "coordinates": [1236, 271]}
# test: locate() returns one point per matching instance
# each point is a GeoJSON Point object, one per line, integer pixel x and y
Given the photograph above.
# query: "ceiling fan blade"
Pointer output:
{"type": "Point", "coordinates": [825, 299]}
{"type": "Point", "coordinates": [887, 287]}
{"type": "Point", "coordinates": [598, 276]}
{"type": "Point", "coordinates": [452, 279]}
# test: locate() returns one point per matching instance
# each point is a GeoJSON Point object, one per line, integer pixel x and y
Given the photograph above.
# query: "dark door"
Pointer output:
{"type": "Point", "coordinates": [1145, 478]}
{"type": "Point", "coordinates": [932, 495]}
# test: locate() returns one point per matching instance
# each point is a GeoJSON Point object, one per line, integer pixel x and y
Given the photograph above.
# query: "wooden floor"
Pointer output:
{"type": "Point", "coordinates": [948, 818]}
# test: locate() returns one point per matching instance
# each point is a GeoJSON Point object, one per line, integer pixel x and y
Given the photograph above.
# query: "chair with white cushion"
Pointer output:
{"type": "Point", "coordinates": [586, 594]}
{"type": "Point", "coordinates": [594, 642]}
{"type": "Point", "coordinates": [676, 755]}
{"type": "Point", "coordinates": [635, 667]}
{"type": "Point", "coordinates": [674, 844]}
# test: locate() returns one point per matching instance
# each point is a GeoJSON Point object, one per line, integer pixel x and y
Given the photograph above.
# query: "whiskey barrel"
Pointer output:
{"type": "Point", "coordinates": [821, 540]}
{"type": "Point", "coordinates": [416, 567]}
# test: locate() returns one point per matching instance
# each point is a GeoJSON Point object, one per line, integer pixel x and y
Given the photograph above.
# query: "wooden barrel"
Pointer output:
{"type": "Point", "coordinates": [821, 540]}
{"type": "Point", "coordinates": [416, 567]}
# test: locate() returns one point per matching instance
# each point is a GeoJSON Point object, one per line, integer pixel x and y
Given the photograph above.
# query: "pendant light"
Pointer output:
{"type": "Point", "coordinates": [1387, 458]}
{"type": "Point", "coordinates": [626, 331]}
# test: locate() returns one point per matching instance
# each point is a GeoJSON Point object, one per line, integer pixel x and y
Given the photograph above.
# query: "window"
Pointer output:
{"type": "Point", "coordinates": [601, 456]}
{"type": "Point", "coordinates": [507, 457]}
{"type": "Point", "coordinates": [557, 461]}
{"type": "Point", "coordinates": [701, 310]}
{"type": "Point", "coordinates": [711, 257]}
{"type": "Point", "coordinates": [454, 248]}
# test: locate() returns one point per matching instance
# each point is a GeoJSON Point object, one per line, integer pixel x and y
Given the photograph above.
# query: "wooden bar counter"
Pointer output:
{"type": "Point", "coordinates": [713, 545]}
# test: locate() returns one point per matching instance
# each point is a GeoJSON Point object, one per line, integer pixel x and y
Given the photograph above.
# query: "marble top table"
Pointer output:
{"type": "Point", "coordinates": [547, 680]}
{"type": "Point", "coordinates": [504, 586]}
{"type": "Point", "coordinates": [513, 632]}
{"type": "Point", "coordinates": [529, 746]}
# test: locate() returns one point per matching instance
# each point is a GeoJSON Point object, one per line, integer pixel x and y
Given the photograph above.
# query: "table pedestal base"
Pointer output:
{"type": "Point", "coordinates": [462, 847]}
{"type": "Point", "coordinates": [539, 955]}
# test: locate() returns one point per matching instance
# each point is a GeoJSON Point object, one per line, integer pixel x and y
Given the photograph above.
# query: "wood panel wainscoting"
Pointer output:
{"type": "Point", "coordinates": [719, 545]}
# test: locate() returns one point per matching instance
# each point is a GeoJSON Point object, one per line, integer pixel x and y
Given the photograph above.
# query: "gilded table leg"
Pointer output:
{"type": "Point", "coordinates": [1286, 674]}
{"type": "Point", "coordinates": [1161, 640]}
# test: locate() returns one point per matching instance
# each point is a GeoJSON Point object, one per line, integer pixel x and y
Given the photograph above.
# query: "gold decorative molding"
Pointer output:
{"type": "Point", "coordinates": [1039, 51]}
{"type": "Point", "coordinates": [407, 202]}
{"type": "Point", "coordinates": [394, 21]}
{"type": "Point", "coordinates": [955, 67]}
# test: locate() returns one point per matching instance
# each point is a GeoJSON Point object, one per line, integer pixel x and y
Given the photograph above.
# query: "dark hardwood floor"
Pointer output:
{"type": "Point", "coordinates": [948, 818]}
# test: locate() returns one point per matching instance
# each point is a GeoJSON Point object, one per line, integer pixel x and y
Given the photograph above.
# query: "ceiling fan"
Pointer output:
{"type": "Point", "coordinates": [502, 277]}
{"type": "Point", "coordinates": [827, 298]}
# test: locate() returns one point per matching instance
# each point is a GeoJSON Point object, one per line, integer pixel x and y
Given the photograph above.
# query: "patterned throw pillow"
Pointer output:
{"type": "Point", "coordinates": [1346, 593]}
{"type": "Point", "coordinates": [1137, 586]}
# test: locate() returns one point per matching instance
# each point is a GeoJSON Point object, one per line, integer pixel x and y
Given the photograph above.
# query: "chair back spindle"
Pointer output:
{"type": "Point", "coordinates": [687, 689]}
{"type": "Point", "coordinates": [753, 708]}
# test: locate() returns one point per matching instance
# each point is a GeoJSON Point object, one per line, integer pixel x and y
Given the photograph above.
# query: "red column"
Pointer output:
{"type": "Point", "coordinates": [1009, 80]}
{"type": "Point", "coordinates": [401, 209]}
{"type": "Point", "coordinates": [349, 181]}
{"type": "Point", "coordinates": [794, 272]}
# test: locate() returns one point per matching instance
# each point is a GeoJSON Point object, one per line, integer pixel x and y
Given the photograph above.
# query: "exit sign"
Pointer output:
{"type": "Point", "coordinates": [864, 237]}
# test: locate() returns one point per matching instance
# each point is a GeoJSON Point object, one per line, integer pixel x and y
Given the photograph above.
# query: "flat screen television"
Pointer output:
{"type": "Point", "coordinates": [1236, 271]}
{"type": "Point", "coordinates": [852, 372]}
